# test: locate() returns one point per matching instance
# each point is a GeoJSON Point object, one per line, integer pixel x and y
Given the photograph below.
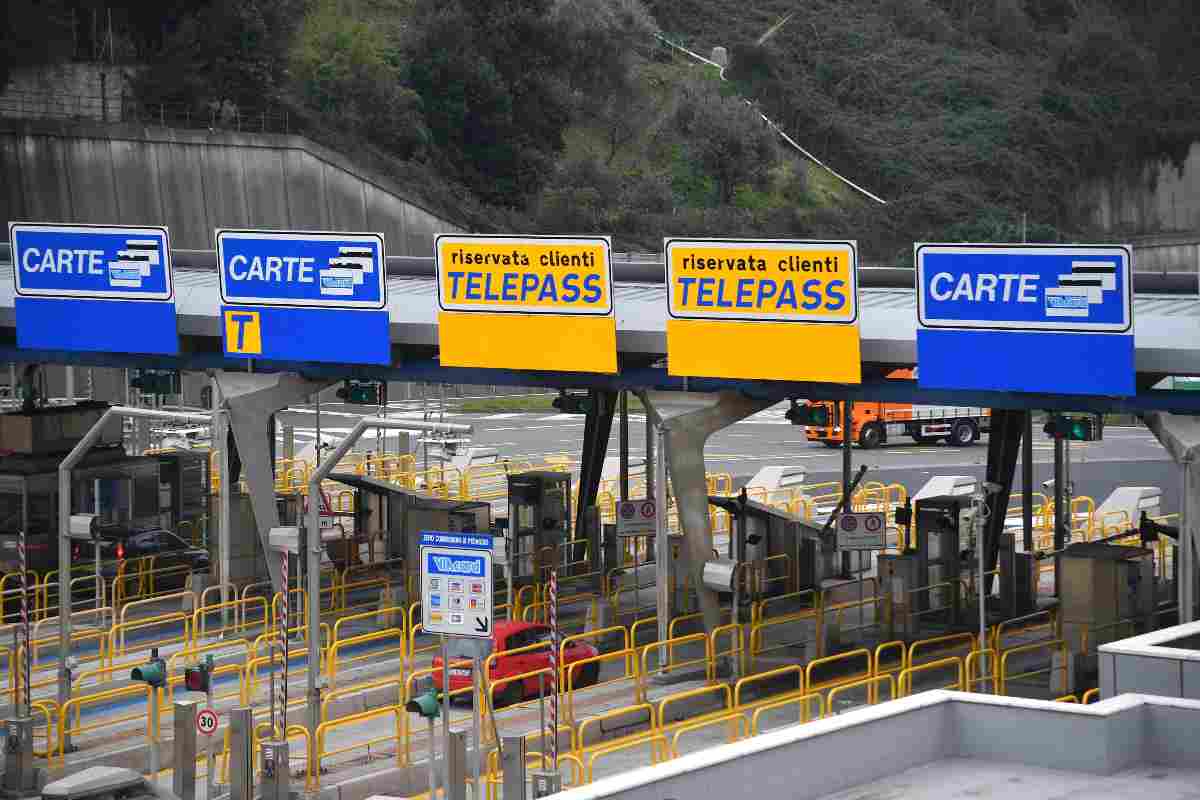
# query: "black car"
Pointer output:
{"type": "Point", "coordinates": [174, 557]}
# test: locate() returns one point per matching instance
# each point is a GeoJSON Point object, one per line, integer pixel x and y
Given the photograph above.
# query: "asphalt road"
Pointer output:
{"type": "Point", "coordinates": [1127, 456]}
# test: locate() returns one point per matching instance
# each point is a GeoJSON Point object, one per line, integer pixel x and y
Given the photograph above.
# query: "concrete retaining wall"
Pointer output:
{"type": "Point", "coordinates": [196, 181]}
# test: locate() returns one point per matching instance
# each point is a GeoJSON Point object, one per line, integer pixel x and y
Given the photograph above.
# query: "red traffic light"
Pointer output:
{"type": "Point", "coordinates": [196, 679]}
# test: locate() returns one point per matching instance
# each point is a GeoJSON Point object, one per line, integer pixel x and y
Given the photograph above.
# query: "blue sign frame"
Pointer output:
{"type": "Point", "coordinates": [1026, 318]}
{"type": "Point", "coordinates": [98, 262]}
{"type": "Point", "coordinates": [302, 269]}
{"type": "Point", "coordinates": [94, 288]}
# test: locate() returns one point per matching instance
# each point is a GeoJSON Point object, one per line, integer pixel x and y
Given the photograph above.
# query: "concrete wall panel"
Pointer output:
{"type": "Point", "coordinates": [1147, 675]}
{"type": "Point", "coordinates": [94, 193]}
{"type": "Point", "coordinates": [135, 167]}
{"type": "Point", "coordinates": [266, 190]}
{"type": "Point", "coordinates": [344, 199]}
{"type": "Point", "coordinates": [181, 182]}
{"type": "Point", "coordinates": [386, 215]}
{"type": "Point", "coordinates": [44, 181]}
{"type": "Point", "coordinates": [195, 181]}
{"type": "Point", "coordinates": [305, 186]}
{"type": "Point", "coordinates": [224, 188]}
{"type": "Point", "coordinates": [12, 194]}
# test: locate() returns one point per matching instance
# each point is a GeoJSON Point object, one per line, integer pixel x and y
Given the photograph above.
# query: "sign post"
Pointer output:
{"type": "Point", "coordinates": [735, 305]}
{"type": "Point", "coordinates": [1027, 318]}
{"type": "Point", "coordinates": [528, 302]}
{"type": "Point", "coordinates": [304, 296]}
{"type": "Point", "coordinates": [861, 531]}
{"type": "Point", "coordinates": [456, 600]}
{"type": "Point", "coordinates": [94, 288]}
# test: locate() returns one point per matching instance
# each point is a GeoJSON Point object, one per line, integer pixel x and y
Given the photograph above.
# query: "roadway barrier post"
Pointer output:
{"type": "Point", "coordinates": [456, 767]}
{"type": "Point", "coordinates": [21, 777]}
{"type": "Point", "coordinates": [183, 779]}
{"type": "Point", "coordinates": [241, 759]}
{"type": "Point", "coordinates": [512, 766]}
{"type": "Point", "coordinates": [276, 771]}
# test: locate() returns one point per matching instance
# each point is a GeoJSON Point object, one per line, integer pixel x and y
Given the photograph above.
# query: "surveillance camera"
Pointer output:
{"type": "Point", "coordinates": [1048, 484]}
{"type": "Point", "coordinates": [991, 488]}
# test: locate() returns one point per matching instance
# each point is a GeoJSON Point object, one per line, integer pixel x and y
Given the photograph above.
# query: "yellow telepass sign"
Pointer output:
{"type": "Point", "coordinates": [771, 310]}
{"type": "Point", "coordinates": [526, 302]}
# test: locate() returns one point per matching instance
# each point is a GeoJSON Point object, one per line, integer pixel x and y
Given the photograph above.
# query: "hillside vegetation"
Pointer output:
{"type": "Point", "coordinates": [973, 119]}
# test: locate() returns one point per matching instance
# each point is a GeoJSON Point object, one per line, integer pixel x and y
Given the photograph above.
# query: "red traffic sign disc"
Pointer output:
{"type": "Point", "coordinates": [206, 722]}
{"type": "Point", "coordinates": [648, 509]}
{"type": "Point", "coordinates": [628, 510]}
{"type": "Point", "coordinates": [848, 522]}
{"type": "Point", "coordinates": [873, 524]}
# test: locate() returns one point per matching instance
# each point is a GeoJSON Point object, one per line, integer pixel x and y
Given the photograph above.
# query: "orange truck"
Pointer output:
{"type": "Point", "coordinates": [873, 424]}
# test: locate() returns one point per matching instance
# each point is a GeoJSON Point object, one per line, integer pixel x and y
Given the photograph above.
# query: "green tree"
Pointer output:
{"type": "Point", "coordinates": [726, 139]}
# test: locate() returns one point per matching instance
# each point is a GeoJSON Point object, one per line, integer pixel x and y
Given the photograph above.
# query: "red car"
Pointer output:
{"type": "Point", "coordinates": [510, 636]}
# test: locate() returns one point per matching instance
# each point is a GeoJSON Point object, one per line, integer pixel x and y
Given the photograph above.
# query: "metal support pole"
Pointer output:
{"type": "Point", "coordinates": [155, 742]}
{"type": "Point", "coordinates": [1027, 482]}
{"type": "Point", "coordinates": [1186, 569]}
{"type": "Point", "coordinates": [69, 391]}
{"type": "Point", "coordinates": [979, 500]}
{"type": "Point", "coordinates": [513, 766]}
{"type": "Point", "coordinates": [847, 466]}
{"type": "Point", "coordinates": [241, 759]}
{"type": "Point", "coordinates": [446, 785]}
{"type": "Point", "coordinates": [662, 547]}
{"type": "Point", "coordinates": [220, 439]}
{"type": "Point", "coordinates": [433, 781]}
{"type": "Point", "coordinates": [477, 687]}
{"type": "Point", "coordinates": [623, 440]}
{"type": "Point", "coordinates": [651, 470]}
{"type": "Point", "coordinates": [183, 779]}
{"type": "Point", "coordinates": [1059, 511]}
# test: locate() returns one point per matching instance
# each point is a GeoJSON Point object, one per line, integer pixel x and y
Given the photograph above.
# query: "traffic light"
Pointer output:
{"type": "Point", "coordinates": [569, 403]}
{"type": "Point", "coordinates": [1077, 428]}
{"type": "Point", "coordinates": [427, 705]}
{"type": "Point", "coordinates": [153, 672]}
{"type": "Point", "coordinates": [361, 393]}
{"type": "Point", "coordinates": [199, 677]}
{"type": "Point", "coordinates": [809, 414]}
{"type": "Point", "coordinates": [154, 382]}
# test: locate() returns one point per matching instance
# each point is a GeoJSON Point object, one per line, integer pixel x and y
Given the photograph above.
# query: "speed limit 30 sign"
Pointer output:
{"type": "Point", "coordinates": [206, 721]}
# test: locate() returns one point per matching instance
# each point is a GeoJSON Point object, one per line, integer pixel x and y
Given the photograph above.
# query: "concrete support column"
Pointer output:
{"type": "Point", "coordinates": [1181, 436]}
{"type": "Point", "coordinates": [687, 420]}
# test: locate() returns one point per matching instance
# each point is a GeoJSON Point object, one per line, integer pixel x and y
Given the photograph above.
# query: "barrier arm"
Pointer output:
{"type": "Point", "coordinates": [64, 521]}
{"type": "Point", "coordinates": [313, 549]}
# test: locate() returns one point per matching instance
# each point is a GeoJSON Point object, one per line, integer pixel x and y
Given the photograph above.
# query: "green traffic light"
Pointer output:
{"type": "Point", "coordinates": [153, 673]}
{"type": "Point", "coordinates": [426, 705]}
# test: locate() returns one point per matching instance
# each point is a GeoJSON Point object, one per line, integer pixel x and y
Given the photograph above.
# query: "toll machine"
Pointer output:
{"type": "Point", "coordinates": [397, 516]}
{"type": "Point", "coordinates": [539, 521]}
{"type": "Point", "coordinates": [769, 552]}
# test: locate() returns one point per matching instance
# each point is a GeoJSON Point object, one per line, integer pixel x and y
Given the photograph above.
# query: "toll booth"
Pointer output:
{"type": "Point", "coordinates": [539, 522]}
{"type": "Point", "coordinates": [395, 517]}
{"type": "Point", "coordinates": [768, 552]}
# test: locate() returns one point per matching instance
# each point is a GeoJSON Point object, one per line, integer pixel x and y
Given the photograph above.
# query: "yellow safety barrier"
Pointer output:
{"type": "Point", "coordinates": [45, 707]}
{"type": "Point", "coordinates": [978, 674]}
{"type": "Point", "coordinates": [1090, 696]}
{"type": "Point", "coordinates": [596, 636]}
{"type": "Point", "coordinates": [680, 620]}
{"type": "Point", "coordinates": [1069, 698]}
{"type": "Point", "coordinates": [905, 683]}
{"type": "Point", "coordinates": [888, 647]}
{"type": "Point", "coordinates": [738, 729]}
{"type": "Point", "coordinates": [396, 711]}
{"type": "Point", "coordinates": [1047, 619]}
{"type": "Point", "coordinates": [572, 671]}
{"type": "Point", "coordinates": [771, 674]}
{"type": "Point", "coordinates": [942, 644]}
{"type": "Point", "coordinates": [273, 659]}
{"type": "Point", "coordinates": [721, 689]}
{"type": "Point", "coordinates": [77, 704]}
{"type": "Point", "coordinates": [241, 616]}
{"type": "Point", "coordinates": [331, 660]}
{"type": "Point", "coordinates": [406, 739]}
{"type": "Point", "coordinates": [334, 694]}
{"type": "Point", "coordinates": [623, 713]}
{"type": "Point", "coordinates": [1059, 644]}
{"type": "Point", "coordinates": [659, 751]}
{"type": "Point", "coordinates": [294, 605]}
{"type": "Point", "coordinates": [737, 646]}
{"type": "Point", "coordinates": [293, 732]}
{"type": "Point", "coordinates": [539, 611]}
{"type": "Point", "coordinates": [116, 640]}
{"type": "Point", "coordinates": [872, 686]}
{"type": "Point", "coordinates": [645, 622]}
{"type": "Point", "coordinates": [802, 701]}
{"type": "Point", "coordinates": [852, 655]}
{"type": "Point", "coordinates": [386, 612]}
{"type": "Point", "coordinates": [669, 647]}
{"type": "Point", "coordinates": [343, 591]}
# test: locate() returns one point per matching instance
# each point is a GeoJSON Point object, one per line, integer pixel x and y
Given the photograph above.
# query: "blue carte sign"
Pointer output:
{"type": "Point", "coordinates": [304, 296]}
{"type": "Point", "coordinates": [93, 288]}
{"type": "Point", "coordinates": [1031, 318]}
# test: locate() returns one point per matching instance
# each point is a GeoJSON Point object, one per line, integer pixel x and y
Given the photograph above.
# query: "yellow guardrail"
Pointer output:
{"type": "Point", "coordinates": [659, 751]}
{"type": "Point", "coordinates": [1090, 696]}
{"type": "Point", "coordinates": [771, 674]}
{"type": "Point", "coordinates": [572, 671]}
{"type": "Point", "coordinates": [905, 683]}
{"type": "Point", "coordinates": [396, 711]}
{"type": "Point", "coordinates": [1058, 644]}
{"type": "Point", "coordinates": [801, 701]}
{"type": "Point", "coordinates": [941, 644]}
{"type": "Point", "coordinates": [241, 619]}
{"type": "Point", "coordinates": [77, 704]}
{"type": "Point", "coordinates": [721, 689]}
{"type": "Point", "coordinates": [738, 729]}
{"type": "Point", "coordinates": [622, 713]}
{"type": "Point", "coordinates": [978, 674]}
{"type": "Point", "coordinates": [872, 685]}
{"type": "Point", "coordinates": [331, 660]}
{"type": "Point", "coordinates": [851, 655]}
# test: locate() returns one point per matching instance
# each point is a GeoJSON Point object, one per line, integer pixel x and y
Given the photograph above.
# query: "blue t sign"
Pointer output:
{"type": "Point", "coordinates": [302, 296]}
{"type": "Point", "coordinates": [1026, 318]}
{"type": "Point", "coordinates": [93, 288]}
